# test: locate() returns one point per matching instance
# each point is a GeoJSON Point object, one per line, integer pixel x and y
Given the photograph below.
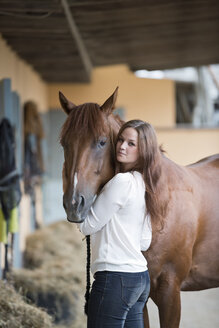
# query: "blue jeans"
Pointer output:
{"type": "Point", "coordinates": [117, 299]}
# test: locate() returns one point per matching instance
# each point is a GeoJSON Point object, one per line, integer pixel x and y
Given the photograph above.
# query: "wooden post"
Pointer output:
{"type": "Point", "coordinates": [79, 42]}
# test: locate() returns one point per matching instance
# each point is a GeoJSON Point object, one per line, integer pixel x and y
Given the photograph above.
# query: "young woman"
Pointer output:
{"type": "Point", "coordinates": [120, 228]}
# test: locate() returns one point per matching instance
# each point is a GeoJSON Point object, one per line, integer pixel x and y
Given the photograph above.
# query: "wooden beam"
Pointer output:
{"type": "Point", "coordinates": [79, 42]}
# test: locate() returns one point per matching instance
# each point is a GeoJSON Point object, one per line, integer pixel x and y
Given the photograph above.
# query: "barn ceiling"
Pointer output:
{"type": "Point", "coordinates": [64, 39]}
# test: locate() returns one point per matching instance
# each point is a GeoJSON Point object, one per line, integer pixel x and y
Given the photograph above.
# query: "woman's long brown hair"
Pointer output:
{"type": "Point", "coordinates": [149, 166]}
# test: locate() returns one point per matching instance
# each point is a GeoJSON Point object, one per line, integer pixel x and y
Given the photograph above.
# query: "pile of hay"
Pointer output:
{"type": "Point", "coordinates": [60, 241]}
{"type": "Point", "coordinates": [54, 274]}
{"type": "Point", "coordinates": [15, 312]}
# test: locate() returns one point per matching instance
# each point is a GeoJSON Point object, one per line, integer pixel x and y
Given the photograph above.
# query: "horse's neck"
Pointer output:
{"type": "Point", "coordinates": [164, 167]}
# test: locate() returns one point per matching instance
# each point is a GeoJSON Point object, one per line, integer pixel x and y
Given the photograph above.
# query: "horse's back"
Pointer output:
{"type": "Point", "coordinates": [212, 161]}
{"type": "Point", "coordinates": [205, 174]}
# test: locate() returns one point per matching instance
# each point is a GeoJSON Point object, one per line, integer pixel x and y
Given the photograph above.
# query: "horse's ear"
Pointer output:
{"type": "Point", "coordinates": [65, 103]}
{"type": "Point", "coordinates": [109, 104]}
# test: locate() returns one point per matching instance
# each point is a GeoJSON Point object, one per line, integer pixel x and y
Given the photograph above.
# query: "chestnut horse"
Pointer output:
{"type": "Point", "coordinates": [185, 254]}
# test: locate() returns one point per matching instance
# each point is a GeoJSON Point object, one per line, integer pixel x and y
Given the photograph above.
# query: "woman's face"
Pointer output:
{"type": "Point", "coordinates": [127, 148]}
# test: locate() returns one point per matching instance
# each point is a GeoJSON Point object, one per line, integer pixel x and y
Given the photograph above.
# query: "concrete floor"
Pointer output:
{"type": "Point", "coordinates": [199, 310]}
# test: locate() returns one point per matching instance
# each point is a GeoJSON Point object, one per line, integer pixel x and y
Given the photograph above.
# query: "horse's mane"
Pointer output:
{"type": "Point", "coordinates": [83, 120]}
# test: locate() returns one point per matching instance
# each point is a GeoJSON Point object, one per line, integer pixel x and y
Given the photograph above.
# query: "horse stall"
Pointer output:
{"type": "Point", "coordinates": [86, 50]}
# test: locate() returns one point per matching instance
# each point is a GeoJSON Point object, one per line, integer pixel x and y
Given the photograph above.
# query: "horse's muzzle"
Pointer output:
{"type": "Point", "coordinates": [75, 208]}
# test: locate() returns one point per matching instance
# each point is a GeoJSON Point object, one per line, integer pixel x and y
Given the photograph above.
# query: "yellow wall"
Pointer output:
{"type": "Point", "coordinates": [186, 146]}
{"type": "Point", "coordinates": [24, 79]}
{"type": "Point", "coordinates": [148, 99]}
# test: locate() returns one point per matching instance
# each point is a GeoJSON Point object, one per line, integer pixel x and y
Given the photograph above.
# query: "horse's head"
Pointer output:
{"type": "Point", "coordinates": [88, 138]}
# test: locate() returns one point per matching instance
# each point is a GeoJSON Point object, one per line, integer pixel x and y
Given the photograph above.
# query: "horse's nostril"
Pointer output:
{"type": "Point", "coordinates": [82, 202]}
{"type": "Point", "coordinates": [64, 205]}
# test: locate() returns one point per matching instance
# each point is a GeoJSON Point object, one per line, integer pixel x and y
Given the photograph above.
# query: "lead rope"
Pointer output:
{"type": "Point", "coordinates": [87, 294]}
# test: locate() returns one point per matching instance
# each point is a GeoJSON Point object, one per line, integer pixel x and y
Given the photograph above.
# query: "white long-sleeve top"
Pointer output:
{"type": "Point", "coordinates": [118, 226]}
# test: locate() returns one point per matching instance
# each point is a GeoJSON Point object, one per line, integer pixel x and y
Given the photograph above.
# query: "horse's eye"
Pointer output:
{"type": "Point", "coordinates": [102, 143]}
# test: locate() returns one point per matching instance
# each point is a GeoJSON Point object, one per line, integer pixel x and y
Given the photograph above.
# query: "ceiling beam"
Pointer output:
{"type": "Point", "coordinates": [78, 40]}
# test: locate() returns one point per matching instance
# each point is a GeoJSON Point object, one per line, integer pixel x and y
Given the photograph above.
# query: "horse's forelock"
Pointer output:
{"type": "Point", "coordinates": [84, 121]}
